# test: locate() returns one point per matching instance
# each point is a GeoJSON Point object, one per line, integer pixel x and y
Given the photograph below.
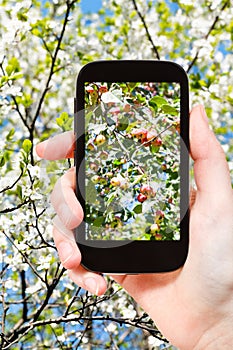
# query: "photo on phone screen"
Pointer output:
{"type": "Point", "coordinates": [132, 161]}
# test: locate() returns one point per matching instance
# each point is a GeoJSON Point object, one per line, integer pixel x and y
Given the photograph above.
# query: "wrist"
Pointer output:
{"type": "Point", "coordinates": [217, 338]}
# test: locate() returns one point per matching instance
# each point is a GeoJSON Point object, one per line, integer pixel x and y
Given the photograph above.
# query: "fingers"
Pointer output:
{"type": "Point", "coordinates": [90, 281]}
{"type": "Point", "coordinates": [68, 251]}
{"type": "Point", "coordinates": [210, 166]}
{"type": "Point", "coordinates": [70, 258]}
{"type": "Point", "coordinates": [69, 216]}
{"type": "Point", "coordinates": [65, 202]}
{"type": "Point", "coordinates": [58, 147]}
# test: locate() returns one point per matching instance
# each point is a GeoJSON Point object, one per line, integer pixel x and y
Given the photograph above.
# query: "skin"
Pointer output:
{"type": "Point", "coordinates": [192, 306]}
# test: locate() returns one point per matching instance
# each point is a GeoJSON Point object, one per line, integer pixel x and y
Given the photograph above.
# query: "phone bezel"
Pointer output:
{"type": "Point", "coordinates": [132, 256]}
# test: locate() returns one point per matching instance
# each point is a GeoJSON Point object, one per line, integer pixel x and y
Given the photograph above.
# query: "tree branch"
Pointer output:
{"type": "Point", "coordinates": [66, 313]}
{"type": "Point", "coordinates": [50, 290]}
{"type": "Point", "coordinates": [36, 225]}
{"type": "Point", "coordinates": [14, 183]}
{"type": "Point", "coordinates": [146, 29]}
{"type": "Point", "coordinates": [212, 27]}
{"type": "Point", "coordinates": [15, 101]}
{"type": "Point", "coordinates": [54, 57]}
{"type": "Point", "coordinates": [51, 73]}
{"type": "Point", "coordinates": [22, 328]}
{"type": "Point", "coordinates": [10, 210]}
{"type": "Point", "coordinates": [126, 321]}
{"type": "Point", "coordinates": [25, 257]}
{"type": "Point", "coordinates": [4, 313]}
{"type": "Point", "coordinates": [23, 288]}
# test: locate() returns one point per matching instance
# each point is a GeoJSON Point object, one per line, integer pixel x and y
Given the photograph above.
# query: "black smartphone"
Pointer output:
{"type": "Point", "coordinates": [132, 165]}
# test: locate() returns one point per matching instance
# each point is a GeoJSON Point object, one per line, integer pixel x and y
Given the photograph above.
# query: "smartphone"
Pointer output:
{"type": "Point", "coordinates": [132, 166]}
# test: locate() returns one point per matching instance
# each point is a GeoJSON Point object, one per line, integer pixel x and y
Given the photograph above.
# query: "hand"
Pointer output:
{"type": "Point", "coordinates": [193, 306]}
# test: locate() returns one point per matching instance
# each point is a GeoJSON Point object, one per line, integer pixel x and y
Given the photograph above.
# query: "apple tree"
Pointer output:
{"type": "Point", "coordinates": [132, 161]}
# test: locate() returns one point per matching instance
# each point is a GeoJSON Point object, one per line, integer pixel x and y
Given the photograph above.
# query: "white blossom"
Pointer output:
{"type": "Point", "coordinates": [111, 327]}
{"type": "Point", "coordinates": [129, 312]}
{"type": "Point", "coordinates": [44, 262]}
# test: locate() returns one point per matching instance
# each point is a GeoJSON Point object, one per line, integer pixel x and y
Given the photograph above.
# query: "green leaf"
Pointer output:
{"type": "Point", "coordinates": [91, 193]}
{"type": "Point", "coordinates": [88, 117]}
{"type": "Point", "coordinates": [169, 109]}
{"type": "Point", "coordinates": [138, 209]}
{"type": "Point", "coordinates": [16, 76]}
{"type": "Point", "coordinates": [21, 166]}
{"type": "Point", "coordinates": [2, 161]}
{"type": "Point", "coordinates": [64, 121]}
{"type": "Point", "coordinates": [140, 98]}
{"type": "Point", "coordinates": [9, 69]}
{"type": "Point", "coordinates": [36, 32]}
{"type": "Point", "coordinates": [158, 100]}
{"type": "Point", "coordinates": [101, 12]}
{"type": "Point", "coordinates": [4, 79]}
{"type": "Point", "coordinates": [133, 14]}
{"type": "Point", "coordinates": [131, 126]}
{"type": "Point", "coordinates": [14, 63]}
{"type": "Point", "coordinates": [111, 198]}
{"type": "Point", "coordinates": [59, 122]}
{"type": "Point", "coordinates": [137, 179]}
{"type": "Point", "coordinates": [19, 192]}
{"type": "Point", "coordinates": [10, 135]}
{"type": "Point", "coordinates": [27, 145]}
{"type": "Point", "coordinates": [27, 100]}
{"type": "Point", "coordinates": [98, 221]}
{"type": "Point", "coordinates": [109, 21]}
{"type": "Point", "coordinates": [13, 67]}
{"type": "Point", "coordinates": [22, 16]}
{"type": "Point", "coordinates": [154, 149]}
{"type": "Point", "coordinates": [64, 116]}
{"type": "Point", "coordinates": [123, 123]}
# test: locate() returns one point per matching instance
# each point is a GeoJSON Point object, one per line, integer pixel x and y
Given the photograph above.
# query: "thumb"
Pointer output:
{"type": "Point", "coordinates": [211, 171]}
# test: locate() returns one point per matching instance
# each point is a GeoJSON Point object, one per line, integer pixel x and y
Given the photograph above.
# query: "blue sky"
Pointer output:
{"type": "Point", "coordinates": [90, 5]}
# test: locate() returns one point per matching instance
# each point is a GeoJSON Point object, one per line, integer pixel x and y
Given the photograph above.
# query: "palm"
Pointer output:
{"type": "Point", "coordinates": [184, 299]}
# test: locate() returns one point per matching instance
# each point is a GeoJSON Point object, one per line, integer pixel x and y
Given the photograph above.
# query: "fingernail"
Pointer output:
{"type": "Point", "coordinates": [39, 150]}
{"type": "Point", "coordinates": [91, 285]}
{"type": "Point", "coordinates": [65, 251]}
{"type": "Point", "coordinates": [40, 147]}
{"type": "Point", "coordinates": [204, 115]}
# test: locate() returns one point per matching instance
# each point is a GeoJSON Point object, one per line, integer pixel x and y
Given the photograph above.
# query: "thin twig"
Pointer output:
{"type": "Point", "coordinates": [119, 320]}
{"type": "Point", "coordinates": [24, 300]}
{"type": "Point", "coordinates": [51, 73]}
{"type": "Point", "coordinates": [50, 290]}
{"type": "Point", "coordinates": [25, 257]}
{"type": "Point", "coordinates": [212, 27]}
{"type": "Point", "coordinates": [54, 57]}
{"type": "Point", "coordinates": [66, 313]}
{"type": "Point", "coordinates": [14, 183]}
{"type": "Point", "coordinates": [146, 29]}
{"type": "Point", "coordinates": [10, 210]}
{"type": "Point", "coordinates": [4, 313]}
{"type": "Point", "coordinates": [15, 101]}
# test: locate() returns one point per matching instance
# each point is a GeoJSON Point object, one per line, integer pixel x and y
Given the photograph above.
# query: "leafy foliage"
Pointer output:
{"type": "Point", "coordinates": [132, 162]}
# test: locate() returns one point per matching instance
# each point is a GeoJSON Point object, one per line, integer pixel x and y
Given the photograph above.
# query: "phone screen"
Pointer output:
{"type": "Point", "coordinates": [132, 161]}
